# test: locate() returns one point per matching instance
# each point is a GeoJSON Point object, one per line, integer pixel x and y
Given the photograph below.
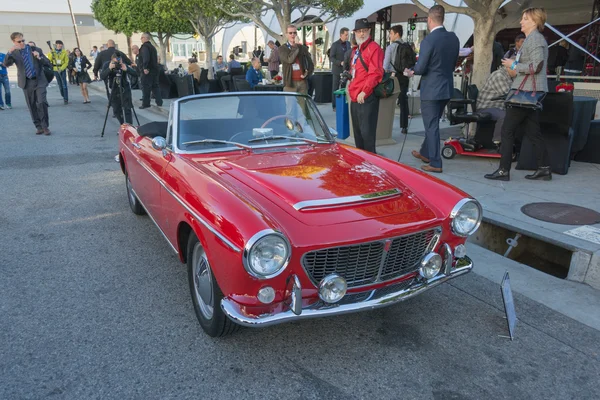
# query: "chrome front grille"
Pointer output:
{"type": "Point", "coordinates": [368, 263]}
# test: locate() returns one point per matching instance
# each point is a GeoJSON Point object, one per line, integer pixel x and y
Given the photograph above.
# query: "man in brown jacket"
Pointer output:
{"type": "Point", "coordinates": [296, 61]}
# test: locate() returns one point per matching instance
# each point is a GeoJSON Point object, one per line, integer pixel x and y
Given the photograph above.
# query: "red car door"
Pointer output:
{"type": "Point", "coordinates": [153, 164]}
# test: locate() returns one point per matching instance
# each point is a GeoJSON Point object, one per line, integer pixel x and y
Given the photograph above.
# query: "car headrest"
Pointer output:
{"type": "Point", "coordinates": [153, 129]}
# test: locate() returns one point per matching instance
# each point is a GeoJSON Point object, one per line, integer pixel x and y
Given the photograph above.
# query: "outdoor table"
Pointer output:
{"type": "Point", "coordinates": [268, 88]}
{"type": "Point", "coordinates": [322, 82]}
{"type": "Point", "coordinates": [168, 86]}
{"type": "Point", "coordinates": [584, 109]}
{"type": "Point", "coordinates": [183, 84]}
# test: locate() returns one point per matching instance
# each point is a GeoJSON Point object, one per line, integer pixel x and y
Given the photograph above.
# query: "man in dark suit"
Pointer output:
{"type": "Point", "coordinates": [437, 59]}
{"type": "Point", "coordinates": [336, 56]}
{"type": "Point", "coordinates": [150, 70]}
{"type": "Point", "coordinates": [29, 61]}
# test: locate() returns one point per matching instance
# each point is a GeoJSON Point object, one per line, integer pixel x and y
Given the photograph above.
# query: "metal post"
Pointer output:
{"type": "Point", "coordinates": [74, 24]}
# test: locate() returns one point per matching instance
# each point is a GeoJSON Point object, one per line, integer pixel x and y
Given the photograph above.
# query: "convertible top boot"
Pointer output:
{"type": "Point", "coordinates": [542, 173]}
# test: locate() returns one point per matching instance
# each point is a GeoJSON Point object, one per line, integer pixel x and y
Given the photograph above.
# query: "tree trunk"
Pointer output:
{"type": "Point", "coordinates": [208, 41]}
{"type": "Point", "coordinates": [483, 36]}
{"type": "Point", "coordinates": [129, 53]}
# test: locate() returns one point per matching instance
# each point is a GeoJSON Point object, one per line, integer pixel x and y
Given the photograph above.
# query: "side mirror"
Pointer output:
{"type": "Point", "coordinates": [159, 143]}
{"type": "Point", "coordinates": [333, 133]}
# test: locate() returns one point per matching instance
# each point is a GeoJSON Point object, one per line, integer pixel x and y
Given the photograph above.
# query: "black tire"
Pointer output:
{"type": "Point", "coordinates": [208, 310]}
{"type": "Point", "coordinates": [448, 152]}
{"type": "Point", "coordinates": [134, 203]}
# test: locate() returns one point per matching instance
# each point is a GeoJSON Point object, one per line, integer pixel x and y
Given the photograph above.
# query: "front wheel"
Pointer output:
{"type": "Point", "coordinates": [448, 152]}
{"type": "Point", "coordinates": [134, 203]}
{"type": "Point", "coordinates": [206, 294]}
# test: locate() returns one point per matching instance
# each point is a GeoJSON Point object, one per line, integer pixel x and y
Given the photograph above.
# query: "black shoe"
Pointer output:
{"type": "Point", "coordinates": [499, 175]}
{"type": "Point", "coordinates": [142, 107]}
{"type": "Point", "coordinates": [404, 130]}
{"type": "Point", "coordinates": [543, 173]}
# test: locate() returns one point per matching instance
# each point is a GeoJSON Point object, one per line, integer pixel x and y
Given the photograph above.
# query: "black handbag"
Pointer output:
{"type": "Point", "coordinates": [48, 72]}
{"type": "Point", "coordinates": [385, 88]}
{"type": "Point", "coordinates": [524, 98]}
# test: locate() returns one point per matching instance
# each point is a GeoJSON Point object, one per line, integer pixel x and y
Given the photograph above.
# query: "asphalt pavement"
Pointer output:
{"type": "Point", "coordinates": [95, 305]}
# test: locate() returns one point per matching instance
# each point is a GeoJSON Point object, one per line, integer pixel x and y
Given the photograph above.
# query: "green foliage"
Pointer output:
{"type": "Point", "coordinates": [203, 15]}
{"type": "Point", "coordinates": [129, 16]}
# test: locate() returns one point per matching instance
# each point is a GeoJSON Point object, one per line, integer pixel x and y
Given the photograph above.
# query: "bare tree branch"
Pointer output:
{"type": "Point", "coordinates": [460, 10]}
{"type": "Point", "coordinates": [420, 5]}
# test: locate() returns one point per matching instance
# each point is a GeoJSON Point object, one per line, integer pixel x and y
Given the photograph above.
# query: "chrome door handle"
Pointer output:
{"type": "Point", "coordinates": [137, 146]}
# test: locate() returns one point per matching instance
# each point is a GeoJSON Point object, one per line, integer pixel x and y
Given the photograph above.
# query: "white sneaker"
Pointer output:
{"type": "Point", "coordinates": [1, 107]}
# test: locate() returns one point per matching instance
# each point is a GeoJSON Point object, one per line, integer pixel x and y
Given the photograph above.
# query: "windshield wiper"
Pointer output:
{"type": "Point", "coordinates": [265, 138]}
{"type": "Point", "coordinates": [215, 141]}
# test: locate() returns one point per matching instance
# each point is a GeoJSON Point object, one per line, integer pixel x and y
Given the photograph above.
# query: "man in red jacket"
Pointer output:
{"type": "Point", "coordinates": [367, 70]}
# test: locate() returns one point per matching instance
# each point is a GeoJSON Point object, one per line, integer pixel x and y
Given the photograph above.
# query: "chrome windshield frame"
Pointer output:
{"type": "Point", "coordinates": [175, 113]}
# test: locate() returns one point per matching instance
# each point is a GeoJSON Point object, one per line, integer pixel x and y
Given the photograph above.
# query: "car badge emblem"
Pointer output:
{"type": "Point", "coordinates": [388, 244]}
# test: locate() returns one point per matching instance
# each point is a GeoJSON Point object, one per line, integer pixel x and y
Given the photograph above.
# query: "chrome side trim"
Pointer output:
{"type": "Point", "coordinates": [194, 214]}
{"type": "Point", "coordinates": [347, 200]}
{"type": "Point", "coordinates": [153, 220]}
{"type": "Point", "coordinates": [320, 309]}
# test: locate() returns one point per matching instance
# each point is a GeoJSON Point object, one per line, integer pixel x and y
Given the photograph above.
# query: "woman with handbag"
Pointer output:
{"type": "Point", "coordinates": [80, 65]}
{"type": "Point", "coordinates": [523, 103]}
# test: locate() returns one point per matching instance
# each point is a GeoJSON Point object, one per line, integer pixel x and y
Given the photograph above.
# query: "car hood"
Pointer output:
{"type": "Point", "coordinates": [308, 183]}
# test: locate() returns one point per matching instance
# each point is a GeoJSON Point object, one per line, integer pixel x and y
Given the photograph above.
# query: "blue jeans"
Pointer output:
{"type": "Point", "coordinates": [61, 80]}
{"type": "Point", "coordinates": [4, 83]}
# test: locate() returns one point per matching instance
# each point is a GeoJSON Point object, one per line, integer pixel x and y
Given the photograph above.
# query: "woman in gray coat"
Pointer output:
{"type": "Point", "coordinates": [533, 52]}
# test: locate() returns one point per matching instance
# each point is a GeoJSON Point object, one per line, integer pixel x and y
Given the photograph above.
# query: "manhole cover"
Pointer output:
{"type": "Point", "coordinates": [561, 213]}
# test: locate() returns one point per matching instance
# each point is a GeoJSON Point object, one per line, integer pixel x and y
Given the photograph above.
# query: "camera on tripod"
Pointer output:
{"type": "Point", "coordinates": [118, 64]}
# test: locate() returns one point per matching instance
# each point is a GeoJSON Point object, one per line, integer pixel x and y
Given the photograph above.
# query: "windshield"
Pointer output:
{"type": "Point", "coordinates": [257, 120]}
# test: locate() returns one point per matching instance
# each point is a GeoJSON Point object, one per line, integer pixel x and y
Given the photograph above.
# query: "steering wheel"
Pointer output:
{"type": "Point", "coordinates": [267, 122]}
{"type": "Point", "coordinates": [237, 134]}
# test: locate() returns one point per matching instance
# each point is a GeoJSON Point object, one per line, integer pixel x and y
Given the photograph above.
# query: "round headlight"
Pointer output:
{"type": "Point", "coordinates": [466, 217]}
{"type": "Point", "coordinates": [430, 265]}
{"type": "Point", "coordinates": [266, 254]}
{"type": "Point", "coordinates": [332, 288]}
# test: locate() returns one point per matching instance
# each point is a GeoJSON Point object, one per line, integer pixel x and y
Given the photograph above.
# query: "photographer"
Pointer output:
{"type": "Point", "coordinates": [59, 58]}
{"type": "Point", "coordinates": [117, 73]}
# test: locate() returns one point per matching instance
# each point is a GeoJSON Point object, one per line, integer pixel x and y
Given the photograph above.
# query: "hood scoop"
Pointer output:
{"type": "Point", "coordinates": [344, 201]}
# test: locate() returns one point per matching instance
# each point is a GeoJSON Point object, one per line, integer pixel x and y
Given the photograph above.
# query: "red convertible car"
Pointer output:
{"type": "Point", "coordinates": [278, 222]}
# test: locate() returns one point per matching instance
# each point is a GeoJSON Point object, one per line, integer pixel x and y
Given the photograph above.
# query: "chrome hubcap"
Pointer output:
{"type": "Point", "coordinates": [202, 282]}
{"type": "Point", "coordinates": [130, 192]}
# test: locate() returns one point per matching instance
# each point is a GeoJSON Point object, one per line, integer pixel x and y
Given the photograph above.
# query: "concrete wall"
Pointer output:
{"type": "Point", "coordinates": [54, 30]}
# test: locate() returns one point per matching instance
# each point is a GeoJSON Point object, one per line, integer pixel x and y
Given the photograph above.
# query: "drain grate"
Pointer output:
{"type": "Point", "coordinates": [561, 213]}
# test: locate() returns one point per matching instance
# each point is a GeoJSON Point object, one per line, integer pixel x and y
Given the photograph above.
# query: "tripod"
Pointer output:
{"type": "Point", "coordinates": [117, 85]}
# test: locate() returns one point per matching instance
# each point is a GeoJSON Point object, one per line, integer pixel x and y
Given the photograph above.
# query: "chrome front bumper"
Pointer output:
{"type": "Point", "coordinates": [321, 309]}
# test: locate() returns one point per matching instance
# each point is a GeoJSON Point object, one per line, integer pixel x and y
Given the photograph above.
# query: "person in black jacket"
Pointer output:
{"type": "Point", "coordinates": [116, 72]}
{"type": "Point", "coordinates": [150, 70]}
{"type": "Point", "coordinates": [105, 56]}
{"type": "Point", "coordinates": [336, 56]}
{"type": "Point", "coordinates": [79, 64]}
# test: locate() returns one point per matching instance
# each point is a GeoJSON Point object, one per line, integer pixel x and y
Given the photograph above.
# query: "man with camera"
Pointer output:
{"type": "Point", "coordinates": [105, 56]}
{"type": "Point", "coordinates": [117, 73]}
{"type": "Point", "coordinates": [59, 58]}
